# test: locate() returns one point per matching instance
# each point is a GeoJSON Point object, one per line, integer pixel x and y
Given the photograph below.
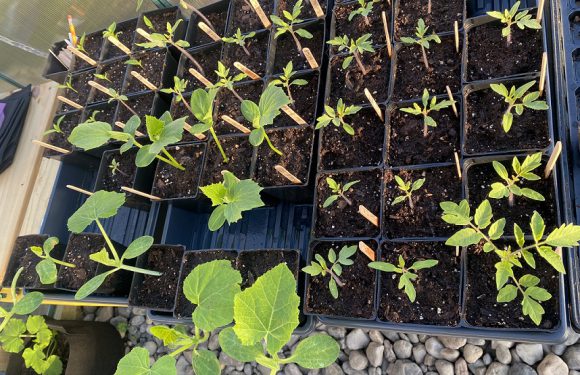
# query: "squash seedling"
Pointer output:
{"type": "Point", "coordinates": [227, 81]}
{"type": "Point", "coordinates": [320, 267]}
{"type": "Point", "coordinates": [102, 205]}
{"type": "Point", "coordinates": [339, 191]}
{"type": "Point", "coordinates": [354, 48]}
{"type": "Point", "coordinates": [202, 109]}
{"type": "Point", "coordinates": [364, 9]}
{"type": "Point", "coordinates": [264, 113]}
{"type": "Point", "coordinates": [406, 277]}
{"type": "Point", "coordinates": [113, 37]}
{"type": "Point", "coordinates": [230, 198]}
{"type": "Point", "coordinates": [286, 81]}
{"type": "Point", "coordinates": [115, 168]}
{"type": "Point", "coordinates": [481, 228]}
{"type": "Point", "coordinates": [521, 171]}
{"type": "Point", "coordinates": [287, 24]}
{"type": "Point", "coordinates": [55, 127]}
{"type": "Point", "coordinates": [68, 84]}
{"type": "Point", "coordinates": [407, 188]}
{"type": "Point", "coordinates": [422, 40]}
{"type": "Point", "coordinates": [336, 117]}
{"type": "Point", "coordinates": [428, 107]}
{"type": "Point", "coordinates": [46, 268]}
{"type": "Point", "coordinates": [102, 77]}
{"type": "Point", "coordinates": [516, 99]}
{"type": "Point", "coordinates": [511, 17]}
{"type": "Point", "coordinates": [80, 46]}
{"type": "Point", "coordinates": [239, 39]}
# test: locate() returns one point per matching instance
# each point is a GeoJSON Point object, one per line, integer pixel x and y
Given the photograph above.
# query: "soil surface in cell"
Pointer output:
{"type": "Point", "coordinates": [437, 288]}
{"type": "Point", "coordinates": [115, 73]}
{"type": "Point", "coordinates": [153, 65]}
{"type": "Point", "coordinates": [286, 49]}
{"type": "Point", "coordinates": [256, 61]}
{"type": "Point", "coordinates": [79, 247]}
{"type": "Point", "coordinates": [228, 104]}
{"type": "Point", "coordinates": [443, 15]}
{"type": "Point", "coordinates": [356, 298]}
{"type": "Point", "coordinates": [142, 104]}
{"type": "Point", "coordinates": [305, 101]}
{"type": "Point", "coordinates": [123, 175]}
{"type": "Point", "coordinates": [245, 17]}
{"type": "Point", "coordinates": [92, 48]}
{"type": "Point", "coordinates": [208, 59]}
{"type": "Point", "coordinates": [239, 152]}
{"type": "Point", "coordinates": [254, 263]}
{"type": "Point", "coordinates": [22, 256]}
{"type": "Point", "coordinates": [218, 20]}
{"type": "Point", "coordinates": [358, 26]}
{"type": "Point", "coordinates": [171, 182]}
{"type": "Point", "coordinates": [80, 90]}
{"type": "Point", "coordinates": [68, 123]}
{"type": "Point", "coordinates": [102, 112]}
{"type": "Point", "coordinates": [127, 33]}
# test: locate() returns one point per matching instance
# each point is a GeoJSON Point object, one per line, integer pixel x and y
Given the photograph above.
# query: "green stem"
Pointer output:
{"type": "Point", "coordinates": [62, 263]}
{"type": "Point", "coordinates": [140, 270]}
{"type": "Point", "coordinates": [6, 319]}
{"type": "Point", "coordinates": [218, 144]}
{"type": "Point", "coordinates": [271, 145]}
{"type": "Point", "coordinates": [173, 162]}
{"type": "Point", "coordinates": [108, 241]}
{"type": "Point", "coordinates": [157, 156]}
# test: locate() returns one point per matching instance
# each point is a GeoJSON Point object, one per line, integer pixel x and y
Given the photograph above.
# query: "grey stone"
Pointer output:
{"type": "Point", "coordinates": [333, 369]}
{"type": "Point", "coordinates": [530, 353]}
{"type": "Point", "coordinates": [357, 360]}
{"type": "Point", "coordinates": [402, 349]}
{"type": "Point", "coordinates": [444, 367]}
{"type": "Point", "coordinates": [181, 365]}
{"type": "Point", "coordinates": [573, 372]}
{"type": "Point", "coordinates": [137, 320]}
{"type": "Point", "coordinates": [226, 360]}
{"type": "Point", "coordinates": [478, 342]}
{"type": "Point", "coordinates": [404, 367]}
{"type": "Point", "coordinates": [572, 338]}
{"type": "Point", "coordinates": [336, 332]}
{"type": "Point", "coordinates": [151, 346]}
{"type": "Point", "coordinates": [487, 359]}
{"type": "Point", "coordinates": [263, 370]}
{"type": "Point", "coordinates": [357, 339]}
{"type": "Point", "coordinates": [248, 369]}
{"type": "Point", "coordinates": [118, 320]}
{"type": "Point", "coordinates": [314, 372]}
{"type": "Point", "coordinates": [89, 317]}
{"type": "Point", "coordinates": [376, 336]}
{"type": "Point", "coordinates": [90, 309]}
{"type": "Point", "coordinates": [392, 336]}
{"type": "Point", "coordinates": [123, 311]}
{"type": "Point", "coordinates": [350, 371]}
{"type": "Point", "coordinates": [572, 357]}
{"type": "Point", "coordinates": [472, 353]}
{"type": "Point", "coordinates": [475, 365]}
{"type": "Point", "coordinates": [460, 367]}
{"type": "Point", "coordinates": [450, 355]}
{"type": "Point", "coordinates": [453, 342]}
{"type": "Point", "coordinates": [375, 371]}
{"type": "Point", "coordinates": [187, 355]}
{"type": "Point", "coordinates": [429, 360]}
{"type": "Point", "coordinates": [423, 338]}
{"type": "Point", "coordinates": [138, 311]}
{"type": "Point", "coordinates": [552, 364]}
{"type": "Point", "coordinates": [413, 338]}
{"type": "Point", "coordinates": [515, 357]}
{"type": "Point", "coordinates": [434, 347]}
{"type": "Point", "coordinates": [558, 349]}
{"type": "Point", "coordinates": [521, 369]}
{"type": "Point", "coordinates": [507, 344]}
{"type": "Point", "coordinates": [292, 369]}
{"type": "Point", "coordinates": [213, 342]}
{"type": "Point", "coordinates": [497, 368]}
{"type": "Point", "coordinates": [389, 353]}
{"type": "Point", "coordinates": [419, 353]}
{"type": "Point", "coordinates": [104, 314]}
{"type": "Point", "coordinates": [375, 352]}
{"type": "Point", "coordinates": [480, 371]}
{"type": "Point", "coordinates": [503, 355]}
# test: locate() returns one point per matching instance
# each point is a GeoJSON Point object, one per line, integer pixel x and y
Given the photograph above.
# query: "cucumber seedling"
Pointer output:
{"type": "Point", "coordinates": [339, 191]}
{"type": "Point", "coordinates": [46, 268]}
{"type": "Point", "coordinates": [364, 9]}
{"type": "Point", "coordinates": [336, 117]}
{"type": "Point", "coordinates": [333, 267]}
{"type": "Point", "coordinates": [202, 108]}
{"type": "Point", "coordinates": [406, 276]}
{"type": "Point", "coordinates": [287, 25]}
{"type": "Point", "coordinates": [408, 188]}
{"type": "Point", "coordinates": [516, 100]}
{"type": "Point", "coordinates": [286, 81]}
{"type": "Point", "coordinates": [521, 171]}
{"type": "Point", "coordinates": [428, 107]}
{"type": "Point", "coordinates": [354, 48]}
{"type": "Point", "coordinates": [239, 39]}
{"type": "Point", "coordinates": [422, 40]}
{"type": "Point", "coordinates": [55, 127]}
{"type": "Point", "coordinates": [511, 17]}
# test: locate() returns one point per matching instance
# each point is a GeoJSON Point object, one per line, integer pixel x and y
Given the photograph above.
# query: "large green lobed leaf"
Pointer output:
{"type": "Point", "coordinates": [100, 205]}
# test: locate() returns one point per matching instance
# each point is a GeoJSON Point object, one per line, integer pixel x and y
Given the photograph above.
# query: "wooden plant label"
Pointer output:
{"type": "Point", "coordinates": [553, 159]}
{"type": "Point", "coordinates": [137, 192]}
{"type": "Point", "coordinates": [187, 128]}
{"type": "Point", "coordinates": [540, 11]}
{"type": "Point", "coordinates": [456, 29]}
{"type": "Point", "coordinates": [117, 43]}
{"type": "Point", "coordinates": [317, 8]}
{"type": "Point", "coordinates": [81, 55]}
{"type": "Point", "coordinates": [236, 124]}
{"type": "Point", "coordinates": [373, 102]}
{"type": "Point", "coordinates": [387, 34]}
{"type": "Point", "coordinates": [79, 190]}
{"type": "Point", "coordinates": [144, 81]}
{"type": "Point", "coordinates": [289, 176]}
{"type": "Point", "coordinates": [260, 12]}
{"type": "Point", "coordinates": [372, 218]}
{"type": "Point", "coordinates": [294, 116]}
{"type": "Point", "coordinates": [457, 164]}
{"type": "Point", "coordinates": [69, 102]}
{"type": "Point", "coordinates": [453, 105]}
{"type": "Point", "coordinates": [206, 29]}
{"type": "Point", "coordinates": [456, 251]}
{"type": "Point", "coordinates": [310, 58]}
{"type": "Point", "coordinates": [144, 34]}
{"type": "Point", "coordinates": [50, 147]}
{"type": "Point", "coordinates": [200, 77]}
{"type": "Point", "coordinates": [247, 71]}
{"type": "Point", "coordinates": [543, 72]}
{"type": "Point", "coordinates": [99, 87]}
{"type": "Point", "coordinates": [366, 250]}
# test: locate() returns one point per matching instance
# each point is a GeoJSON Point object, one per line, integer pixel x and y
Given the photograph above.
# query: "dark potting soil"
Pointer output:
{"type": "Point", "coordinates": [483, 130]}
{"type": "Point", "coordinates": [183, 307]}
{"type": "Point", "coordinates": [92, 46]}
{"type": "Point", "coordinates": [80, 92]}
{"type": "Point", "coordinates": [424, 220]}
{"type": "Point", "coordinates": [101, 112]}
{"type": "Point", "coordinates": [218, 21]}
{"type": "Point", "coordinates": [124, 175]}
{"type": "Point", "coordinates": [341, 219]}
{"type": "Point", "coordinates": [356, 298]}
{"type": "Point", "coordinates": [305, 100]}
{"type": "Point", "coordinates": [159, 21]}
{"type": "Point", "coordinates": [286, 49]}
{"type": "Point", "coordinates": [170, 182]}
{"type": "Point", "coordinates": [228, 104]}
{"type": "Point", "coordinates": [479, 180]}
{"type": "Point", "coordinates": [142, 104]}
{"type": "Point", "coordinates": [443, 15]}
{"type": "Point", "coordinates": [22, 256]}
{"type": "Point", "coordinates": [179, 110]}
{"type": "Point", "coordinates": [482, 308]}
{"type": "Point", "coordinates": [406, 144]}
{"type": "Point", "coordinates": [488, 55]}
{"type": "Point", "coordinates": [437, 288]}
{"type": "Point", "coordinates": [257, 46]}
{"type": "Point", "coordinates": [68, 123]}
{"type": "Point", "coordinates": [254, 263]}
{"type": "Point", "coordinates": [244, 16]}
{"type": "Point", "coordinates": [358, 26]}
{"type": "Point", "coordinates": [296, 147]}
{"type": "Point", "coordinates": [79, 247]}
{"type": "Point", "coordinates": [411, 76]}
{"type": "Point", "coordinates": [350, 82]}
{"type": "Point", "coordinates": [115, 72]}
{"type": "Point", "coordinates": [307, 10]}
{"type": "Point", "coordinates": [208, 59]}
{"type": "Point", "coordinates": [153, 65]}
{"type": "Point", "coordinates": [364, 148]}
{"type": "Point", "coordinates": [239, 152]}
{"type": "Point", "coordinates": [158, 292]}
{"type": "Point", "coordinates": [127, 33]}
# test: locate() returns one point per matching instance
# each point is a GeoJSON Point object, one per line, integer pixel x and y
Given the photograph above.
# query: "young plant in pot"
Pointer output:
{"type": "Point", "coordinates": [422, 40]}
{"type": "Point", "coordinates": [333, 267]}
{"type": "Point", "coordinates": [337, 117]}
{"type": "Point", "coordinates": [240, 39]}
{"type": "Point", "coordinates": [287, 25]}
{"type": "Point", "coordinates": [227, 81]}
{"type": "Point", "coordinates": [202, 104]}
{"type": "Point", "coordinates": [354, 49]}
{"type": "Point", "coordinates": [428, 106]}
{"type": "Point", "coordinates": [286, 81]}
{"type": "Point", "coordinates": [511, 17]}
{"type": "Point", "coordinates": [46, 268]}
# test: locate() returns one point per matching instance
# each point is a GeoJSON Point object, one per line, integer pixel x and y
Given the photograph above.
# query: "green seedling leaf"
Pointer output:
{"type": "Point", "coordinates": [100, 205]}
{"type": "Point", "coordinates": [205, 362]}
{"type": "Point", "coordinates": [28, 303]}
{"type": "Point", "coordinates": [91, 286]}
{"type": "Point", "coordinates": [138, 247]}
{"type": "Point", "coordinates": [10, 336]}
{"type": "Point", "coordinates": [315, 352]}
{"type": "Point", "coordinates": [233, 347]}
{"type": "Point", "coordinates": [137, 363]}
{"type": "Point", "coordinates": [46, 270]}
{"type": "Point", "coordinates": [90, 135]}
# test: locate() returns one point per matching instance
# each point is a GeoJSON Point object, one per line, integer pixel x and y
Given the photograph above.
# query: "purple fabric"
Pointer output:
{"type": "Point", "coordinates": [2, 106]}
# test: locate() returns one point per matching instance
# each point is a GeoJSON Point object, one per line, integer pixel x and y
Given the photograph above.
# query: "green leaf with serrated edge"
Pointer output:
{"type": "Point", "coordinates": [10, 336]}
{"type": "Point", "coordinates": [500, 170]}
{"type": "Point", "coordinates": [314, 352]}
{"type": "Point", "coordinates": [337, 269]}
{"type": "Point", "coordinates": [90, 286]}
{"type": "Point", "coordinates": [537, 293]}
{"type": "Point", "coordinates": [272, 99]}
{"type": "Point", "coordinates": [215, 192]}
{"type": "Point", "coordinates": [205, 362]}
{"type": "Point", "coordinates": [44, 337]}
{"type": "Point", "coordinates": [211, 287]}
{"type": "Point", "coordinates": [529, 281]}
{"type": "Point", "coordinates": [233, 347]}
{"type": "Point", "coordinates": [507, 294]}
{"type": "Point", "coordinates": [532, 309]}
{"type": "Point", "coordinates": [34, 358]}
{"type": "Point", "coordinates": [483, 215]}
{"type": "Point", "coordinates": [46, 270]}
{"type": "Point", "coordinates": [168, 335]}
{"type": "Point", "coordinates": [331, 256]}
{"type": "Point", "coordinates": [202, 104]}
{"type": "Point", "coordinates": [34, 323]}
{"type": "Point", "coordinates": [333, 288]}
{"type": "Point", "coordinates": [90, 135]}
{"type": "Point", "coordinates": [138, 247]}
{"type": "Point", "coordinates": [537, 225]}
{"type": "Point", "coordinates": [519, 234]}
{"type": "Point", "coordinates": [496, 229]}
{"type": "Point", "coordinates": [268, 310]}
{"type": "Point", "coordinates": [552, 257]}
{"type": "Point", "coordinates": [503, 273]}
{"type": "Point", "coordinates": [384, 266]}
{"type": "Point", "coordinates": [529, 258]}
{"type": "Point", "coordinates": [103, 257]}
{"type": "Point", "coordinates": [37, 250]}
{"type": "Point", "coordinates": [347, 251]}
{"type": "Point", "coordinates": [28, 303]}
{"type": "Point", "coordinates": [53, 366]}
{"type": "Point", "coordinates": [422, 264]}
{"type": "Point", "coordinates": [488, 247]}
{"type": "Point", "coordinates": [567, 235]}
{"type": "Point", "coordinates": [100, 205]}
{"type": "Point", "coordinates": [137, 363]}
{"type": "Point", "coordinates": [406, 284]}
{"type": "Point", "coordinates": [464, 237]}
{"type": "Point", "coordinates": [348, 185]}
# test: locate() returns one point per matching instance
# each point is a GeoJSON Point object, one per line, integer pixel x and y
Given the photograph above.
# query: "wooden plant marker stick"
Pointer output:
{"type": "Point", "coordinates": [200, 77]}
{"type": "Point", "coordinates": [99, 87]}
{"type": "Point", "coordinates": [294, 116]}
{"type": "Point", "coordinates": [69, 102]}
{"type": "Point", "coordinates": [540, 11]}
{"type": "Point", "coordinates": [289, 176]}
{"type": "Point", "coordinates": [387, 34]}
{"type": "Point", "coordinates": [144, 34]}
{"type": "Point", "coordinates": [456, 251]}
{"type": "Point", "coordinates": [81, 55]}
{"type": "Point", "coordinates": [50, 147]}
{"type": "Point", "coordinates": [79, 190]}
{"type": "Point", "coordinates": [366, 250]}
{"type": "Point", "coordinates": [553, 159]}
{"type": "Point", "coordinates": [144, 81]}
{"type": "Point", "coordinates": [119, 124]}
{"type": "Point", "coordinates": [453, 105]}
{"type": "Point", "coordinates": [317, 8]}
{"type": "Point", "coordinates": [199, 136]}
{"type": "Point", "coordinates": [260, 12]}
{"type": "Point", "coordinates": [247, 71]}
{"type": "Point", "coordinates": [137, 192]}
{"type": "Point", "coordinates": [372, 218]}
{"type": "Point", "coordinates": [543, 72]}
{"type": "Point", "coordinates": [310, 58]}
{"type": "Point", "coordinates": [206, 29]}
{"type": "Point", "coordinates": [373, 102]}
{"type": "Point", "coordinates": [457, 164]}
{"type": "Point", "coordinates": [456, 29]}
{"type": "Point", "coordinates": [236, 124]}
{"type": "Point", "coordinates": [117, 43]}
